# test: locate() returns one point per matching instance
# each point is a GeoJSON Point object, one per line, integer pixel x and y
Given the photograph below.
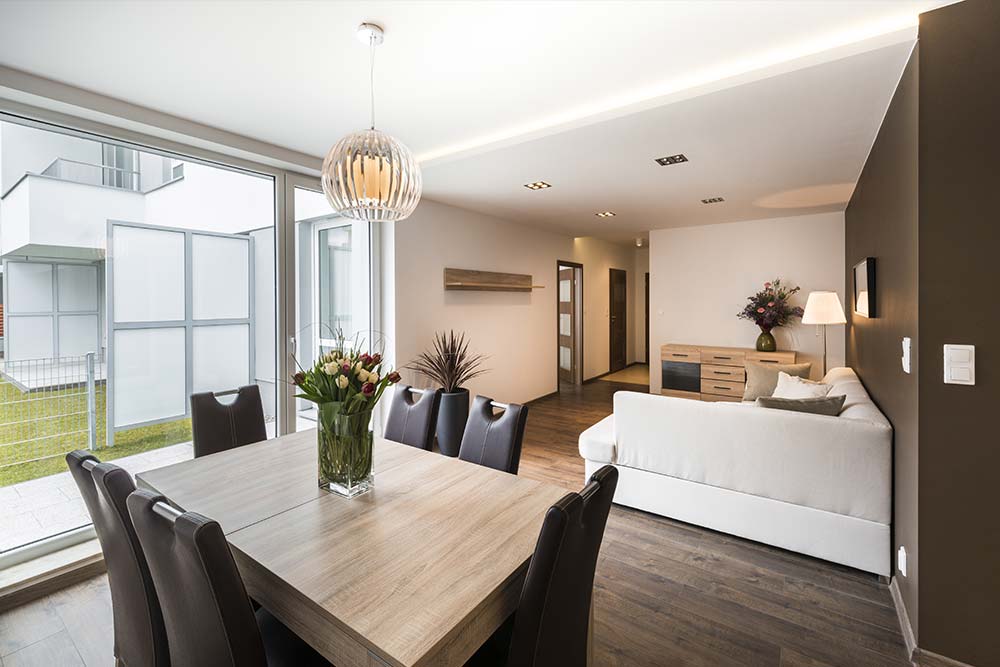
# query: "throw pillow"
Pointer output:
{"type": "Point", "coordinates": [796, 387]}
{"type": "Point", "coordinates": [763, 378]}
{"type": "Point", "coordinates": [822, 405]}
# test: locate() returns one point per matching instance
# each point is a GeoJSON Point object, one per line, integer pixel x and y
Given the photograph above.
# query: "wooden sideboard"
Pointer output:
{"type": "Point", "coordinates": [709, 373]}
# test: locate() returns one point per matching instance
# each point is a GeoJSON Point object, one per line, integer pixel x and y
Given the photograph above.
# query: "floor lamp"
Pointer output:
{"type": "Point", "coordinates": [823, 308]}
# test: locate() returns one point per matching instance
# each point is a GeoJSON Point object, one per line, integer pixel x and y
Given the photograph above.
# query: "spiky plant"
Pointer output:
{"type": "Point", "coordinates": [449, 362]}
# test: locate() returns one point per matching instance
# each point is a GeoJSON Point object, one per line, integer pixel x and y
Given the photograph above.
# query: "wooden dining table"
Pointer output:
{"type": "Point", "coordinates": [419, 571]}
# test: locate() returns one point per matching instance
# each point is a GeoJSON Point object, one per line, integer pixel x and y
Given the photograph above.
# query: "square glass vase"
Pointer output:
{"type": "Point", "coordinates": [346, 450]}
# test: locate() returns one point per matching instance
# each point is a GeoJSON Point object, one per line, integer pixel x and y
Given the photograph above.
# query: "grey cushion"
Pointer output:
{"type": "Point", "coordinates": [823, 405]}
{"type": "Point", "coordinates": [763, 378]}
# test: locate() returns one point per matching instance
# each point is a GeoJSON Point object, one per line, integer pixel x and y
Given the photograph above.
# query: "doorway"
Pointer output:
{"type": "Point", "coordinates": [617, 320]}
{"type": "Point", "coordinates": [646, 320]}
{"type": "Point", "coordinates": [569, 334]}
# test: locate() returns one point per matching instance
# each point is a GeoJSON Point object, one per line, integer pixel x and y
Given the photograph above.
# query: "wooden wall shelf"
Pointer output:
{"type": "Point", "coordinates": [487, 281]}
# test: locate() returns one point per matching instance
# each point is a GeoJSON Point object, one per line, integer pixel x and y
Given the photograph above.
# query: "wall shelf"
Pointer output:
{"type": "Point", "coordinates": [487, 281]}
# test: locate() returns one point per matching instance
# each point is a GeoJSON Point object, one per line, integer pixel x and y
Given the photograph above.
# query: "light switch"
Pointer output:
{"type": "Point", "coordinates": [906, 354]}
{"type": "Point", "coordinates": [960, 364]}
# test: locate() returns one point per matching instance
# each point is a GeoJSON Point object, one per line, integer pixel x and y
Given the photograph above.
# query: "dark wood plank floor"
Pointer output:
{"type": "Point", "coordinates": [666, 593]}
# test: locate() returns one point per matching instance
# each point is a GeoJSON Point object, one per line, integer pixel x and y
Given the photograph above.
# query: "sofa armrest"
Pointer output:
{"type": "Point", "coordinates": [597, 443]}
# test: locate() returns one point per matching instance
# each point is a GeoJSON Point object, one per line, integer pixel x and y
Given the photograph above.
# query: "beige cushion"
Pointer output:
{"type": "Point", "coordinates": [763, 378]}
{"type": "Point", "coordinates": [790, 386]}
{"type": "Point", "coordinates": [822, 405]}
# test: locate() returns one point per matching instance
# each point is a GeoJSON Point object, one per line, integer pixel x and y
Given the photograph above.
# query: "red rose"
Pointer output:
{"type": "Point", "coordinates": [368, 389]}
{"type": "Point", "coordinates": [394, 377]}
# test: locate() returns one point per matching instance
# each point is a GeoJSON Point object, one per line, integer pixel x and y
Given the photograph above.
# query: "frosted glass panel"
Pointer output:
{"type": "Point", "coordinates": [29, 337]}
{"type": "Point", "coordinates": [565, 324]}
{"type": "Point", "coordinates": [564, 290]}
{"type": "Point", "coordinates": [221, 357]}
{"type": "Point", "coordinates": [77, 335]}
{"type": "Point", "coordinates": [77, 288]}
{"type": "Point", "coordinates": [29, 287]}
{"type": "Point", "coordinates": [148, 275]}
{"type": "Point", "coordinates": [565, 359]}
{"type": "Point", "coordinates": [148, 375]}
{"type": "Point", "coordinates": [220, 276]}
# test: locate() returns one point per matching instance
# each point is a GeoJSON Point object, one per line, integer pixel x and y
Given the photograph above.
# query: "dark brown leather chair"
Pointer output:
{"type": "Point", "coordinates": [551, 624]}
{"type": "Point", "coordinates": [494, 441]}
{"type": "Point", "coordinates": [206, 611]}
{"type": "Point", "coordinates": [413, 422]}
{"type": "Point", "coordinates": [139, 633]}
{"type": "Point", "coordinates": [218, 427]}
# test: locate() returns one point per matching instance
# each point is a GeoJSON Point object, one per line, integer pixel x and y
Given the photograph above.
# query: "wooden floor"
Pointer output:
{"type": "Point", "coordinates": [666, 593]}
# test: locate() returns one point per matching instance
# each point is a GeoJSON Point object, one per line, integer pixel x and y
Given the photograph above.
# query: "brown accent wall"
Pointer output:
{"type": "Point", "coordinates": [881, 222]}
{"type": "Point", "coordinates": [959, 154]}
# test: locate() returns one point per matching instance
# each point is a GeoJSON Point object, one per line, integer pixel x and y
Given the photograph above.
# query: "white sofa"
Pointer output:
{"type": "Point", "coordinates": [809, 483]}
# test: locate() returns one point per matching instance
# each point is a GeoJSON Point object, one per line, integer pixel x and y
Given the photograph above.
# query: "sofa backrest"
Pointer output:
{"type": "Point", "coordinates": [858, 404]}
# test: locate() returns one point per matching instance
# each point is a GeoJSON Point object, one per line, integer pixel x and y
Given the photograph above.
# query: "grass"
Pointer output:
{"type": "Point", "coordinates": [56, 423]}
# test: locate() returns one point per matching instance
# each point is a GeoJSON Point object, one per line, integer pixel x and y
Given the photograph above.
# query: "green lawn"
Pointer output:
{"type": "Point", "coordinates": [56, 423]}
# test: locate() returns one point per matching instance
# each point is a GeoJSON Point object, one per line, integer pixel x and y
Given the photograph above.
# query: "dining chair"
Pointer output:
{"type": "Point", "coordinates": [218, 427]}
{"type": "Point", "coordinates": [412, 420]}
{"type": "Point", "coordinates": [492, 440]}
{"type": "Point", "coordinates": [552, 623]}
{"type": "Point", "coordinates": [139, 634]}
{"type": "Point", "coordinates": [207, 614]}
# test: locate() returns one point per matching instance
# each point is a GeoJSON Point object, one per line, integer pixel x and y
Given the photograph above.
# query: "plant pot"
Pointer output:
{"type": "Point", "coordinates": [345, 450]}
{"type": "Point", "coordinates": [766, 342]}
{"type": "Point", "coordinates": [453, 412]}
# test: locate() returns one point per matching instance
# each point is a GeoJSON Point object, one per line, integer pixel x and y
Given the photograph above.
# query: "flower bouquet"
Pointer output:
{"type": "Point", "coordinates": [345, 384]}
{"type": "Point", "coordinates": [769, 308]}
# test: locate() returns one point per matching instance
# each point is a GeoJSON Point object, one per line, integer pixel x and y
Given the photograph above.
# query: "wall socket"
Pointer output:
{"type": "Point", "coordinates": [901, 560]}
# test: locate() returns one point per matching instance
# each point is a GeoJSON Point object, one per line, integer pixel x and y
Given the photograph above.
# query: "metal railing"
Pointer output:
{"type": "Point", "coordinates": [93, 174]}
{"type": "Point", "coordinates": [48, 407]}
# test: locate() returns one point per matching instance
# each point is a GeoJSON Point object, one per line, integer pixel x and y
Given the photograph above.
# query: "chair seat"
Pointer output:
{"type": "Point", "coordinates": [283, 647]}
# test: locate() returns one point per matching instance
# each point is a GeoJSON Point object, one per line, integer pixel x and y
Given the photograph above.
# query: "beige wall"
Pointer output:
{"type": "Point", "coordinates": [517, 330]}
{"type": "Point", "coordinates": [638, 332]}
{"type": "Point", "coordinates": [700, 278]}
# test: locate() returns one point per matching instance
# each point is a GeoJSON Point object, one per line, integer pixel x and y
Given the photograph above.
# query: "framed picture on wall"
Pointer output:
{"type": "Point", "coordinates": [864, 287]}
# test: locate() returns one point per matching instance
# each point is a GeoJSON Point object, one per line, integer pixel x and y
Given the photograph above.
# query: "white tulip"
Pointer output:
{"type": "Point", "coordinates": [330, 368]}
{"type": "Point", "coordinates": [342, 382]}
{"type": "Point", "coordinates": [358, 367]}
{"type": "Point", "coordinates": [373, 377]}
{"type": "Point", "coordinates": [363, 375]}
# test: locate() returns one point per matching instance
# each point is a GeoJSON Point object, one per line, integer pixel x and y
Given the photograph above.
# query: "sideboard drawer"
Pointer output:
{"type": "Point", "coordinates": [771, 357]}
{"type": "Point", "coordinates": [683, 356]}
{"type": "Point", "coordinates": [733, 373]}
{"type": "Point", "coordinates": [722, 387]}
{"type": "Point", "coordinates": [723, 357]}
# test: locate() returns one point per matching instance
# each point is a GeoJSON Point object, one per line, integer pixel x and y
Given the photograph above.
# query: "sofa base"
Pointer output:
{"type": "Point", "coordinates": [838, 538]}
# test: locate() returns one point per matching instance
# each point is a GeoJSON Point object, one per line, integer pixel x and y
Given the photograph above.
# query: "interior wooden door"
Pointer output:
{"type": "Point", "coordinates": [567, 324]}
{"type": "Point", "coordinates": [617, 312]}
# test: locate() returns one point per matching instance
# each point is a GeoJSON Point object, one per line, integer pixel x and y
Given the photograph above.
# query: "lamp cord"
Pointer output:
{"type": "Point", "coordinates": [371, 75]}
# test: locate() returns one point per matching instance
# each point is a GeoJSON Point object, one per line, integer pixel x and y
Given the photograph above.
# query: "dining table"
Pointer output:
{"type": "Point", "coordinates": [421, 570]}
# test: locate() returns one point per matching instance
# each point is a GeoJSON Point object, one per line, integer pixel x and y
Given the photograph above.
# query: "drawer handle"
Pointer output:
{"type": "Point", "coordinates": [723, 388]}
{"type": "Point", "coordinates": [726, 358]}
{"type": "Point", "coordinates": [678, 354]}
{"type": "Point", "coordinates": [768, 361]}
{"type": "Point", "coordinates": [722, 372]}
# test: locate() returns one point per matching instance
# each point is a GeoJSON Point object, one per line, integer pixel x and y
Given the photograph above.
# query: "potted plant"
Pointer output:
{"type": "Point", "coordinates": [769, 308]}
{"type": "Point", "coordinates": [345, 384]}
{"type": "Point", "coordinates": [450, 364]}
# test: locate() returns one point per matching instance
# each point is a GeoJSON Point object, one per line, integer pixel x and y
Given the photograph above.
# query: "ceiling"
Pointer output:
{"type": "Point", "coordinates": [462, 80]}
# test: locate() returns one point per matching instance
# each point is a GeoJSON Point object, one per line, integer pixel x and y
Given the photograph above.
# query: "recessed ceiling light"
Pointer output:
{"type": "Point", "coordinates": [537, 185]}
{"type": "Point", "coordinates": [605, 214]}
{"type": "Point", "coordinates": [712, 200]}
{"type": "Point", "coordinates": [671, 159]}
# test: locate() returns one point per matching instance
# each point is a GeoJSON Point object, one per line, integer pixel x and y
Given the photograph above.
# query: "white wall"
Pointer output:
{"type": "Point", "coordinates": [598, 257]}
{"type": "Point", "coordinates": [700, 278]}
{"type": "Point", "coordinates": [27, 149]}
{"type": "Point", "coordinates": [641, 268]}
{"type": "Point", "coordinates": [516, 329]}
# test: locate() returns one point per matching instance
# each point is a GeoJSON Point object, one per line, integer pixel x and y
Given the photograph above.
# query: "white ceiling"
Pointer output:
{"type": "Point", "coordinates": [459, 79]}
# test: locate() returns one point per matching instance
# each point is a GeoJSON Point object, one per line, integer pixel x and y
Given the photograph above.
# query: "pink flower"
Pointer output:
{"type": "Point", "coordinates": [770, 304]}
{"type": "Point", "coordinates": [366, 359]}
{"type": "Point", "coordinates": [767, 285]}
{"type": "Point", "coordinates": [368, 389]}
{"type": "Point", "coordinates": [376, 358]}
{"type": "Point", "coordinates": [346, 368]}
{"type": "Point", "coordinates": [760, 310]}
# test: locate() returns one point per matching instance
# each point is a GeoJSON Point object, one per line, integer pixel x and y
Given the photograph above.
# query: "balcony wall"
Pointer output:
{"type": "Point", "coordinates": [48, 217]}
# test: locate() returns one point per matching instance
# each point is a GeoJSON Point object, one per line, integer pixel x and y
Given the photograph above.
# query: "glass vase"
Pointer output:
{"type": "Point", "coordinates": [766, 342]}
{"type": "Point", "coordinates": [346, 443]}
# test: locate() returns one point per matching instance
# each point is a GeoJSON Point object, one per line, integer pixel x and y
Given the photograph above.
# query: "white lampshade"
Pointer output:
{"type": "Point", "coordinates": [823, 308]}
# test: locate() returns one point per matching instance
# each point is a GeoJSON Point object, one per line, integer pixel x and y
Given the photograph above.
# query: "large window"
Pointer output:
{"type": "Point", "coordinates": [131, 279]}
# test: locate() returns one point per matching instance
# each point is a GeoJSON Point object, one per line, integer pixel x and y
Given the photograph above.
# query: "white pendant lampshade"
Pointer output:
{"type": "Point", "coordinates": [369, 175]}
{"type": "Point", "coordinates": [823, 308]}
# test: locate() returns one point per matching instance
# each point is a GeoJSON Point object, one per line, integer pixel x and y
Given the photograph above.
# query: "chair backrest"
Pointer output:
{"type": "Point", "coordinates": [218, 427]}
{"type": "Point", "coordinates": [553, 616]}
{"type": "Point", "coordinates": [412, 421]}
{"type": "Point", "coordinates": [140, 636]}
{"type": "Point", "coordinates": [206, 610]}
{"type": "Point", "coordinates": [494, 441]}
